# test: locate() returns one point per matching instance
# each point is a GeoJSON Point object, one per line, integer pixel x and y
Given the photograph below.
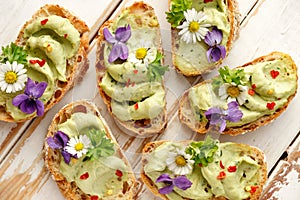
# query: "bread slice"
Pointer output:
{"type": "Point", "coordinates": [252, 152]}
{"type": "Point", "coordinates": [144, 16]}
{"type": "Point", "coordinates": [53, 158]}
{"type": "Point", "coordinates": [187, 116]}
{"type": "Point", "coordinates": [76, 66]}
{"type": "Point", "coordinates": [189, 68]}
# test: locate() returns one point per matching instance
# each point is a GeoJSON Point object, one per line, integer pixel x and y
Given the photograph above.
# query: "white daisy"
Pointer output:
{"type": "Point", "coordinates": [12, 77]}
{"type": "Point", "coordinates": [233, 92]}
{"type": "Point", "coordinates": [179, 162]}
{"type": "Point", "coordinates": [193, 28]}
{"type": "Point", "coordinates": [77, 146]}
{"type": "Point", "coordinates": [144, 55]}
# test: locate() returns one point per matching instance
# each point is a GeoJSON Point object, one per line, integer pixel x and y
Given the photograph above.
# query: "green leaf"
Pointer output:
{"type": "Point", "coordinates": [236, 76]}
{"type": "Point", "coordinates": [202, 152]}
{"type": "Point", "coordinates": [156, 70]}
{"type": "Point", "coordinates": [176, 16]}
{"type": "Point", "coordinates": [13, 53]}
{"type": "Point", "coordinates": [102, 146]}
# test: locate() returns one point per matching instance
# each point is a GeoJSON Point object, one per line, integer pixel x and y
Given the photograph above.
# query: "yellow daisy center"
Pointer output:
{"type": "Point", "coordinates": [233, 91]}
{"type": "Point", "coordinates": [10, 77]}
{"type": "Point", "coordinates": [180, 161]}
{"type": "Point", "coordinates": [194, 26]}
{"type": "Point", "coordinates": [79, 146]}
{"type": "Point", "coordinates": [141, 53]}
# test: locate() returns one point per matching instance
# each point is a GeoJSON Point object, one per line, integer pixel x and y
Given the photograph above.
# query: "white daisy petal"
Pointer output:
{"type": "Point", "coordinates": [78, 145]}
{"type": "Point", "coordinates": [179, 162]}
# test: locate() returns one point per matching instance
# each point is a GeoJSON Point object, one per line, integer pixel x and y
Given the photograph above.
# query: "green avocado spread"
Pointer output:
{"type": "Point", "coordinates": [205, 181]}
{"type": "Point", "coordinates": [134, 95]}
{"type": "Point", "coordinates": [52, 39]}
{"type": "Point", "coordinates": [190, 58]}
{"type": "Point", "coordinates": [269, 86]}
{"type": "Point", "coordinates": [101, 178]}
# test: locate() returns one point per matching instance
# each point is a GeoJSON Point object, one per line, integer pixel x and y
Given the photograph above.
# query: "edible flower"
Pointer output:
{"type": "Point", "coordinates": [12, 77]}
{"type": "Point", "coordinates": [179, 162]}
{"type": "Point", "coordinates": [217, 116]}
{"type": "Point", "coordinates": [180, 181]}
{"type": "Point", "coordinates": [193, 28]}
{"type": "Point", "coordinates": [119, 49]}
{"type": "Point", "coordinates": [78, 145]}
{"type": "Point", "coordinates": [233, 92]}
{"type": "Point", "coordinates": [216, 51]}
{"type": "Point", "coordinates": [59, 141]}
{"type": "Point", "coordinates": [143, 55]}
{"type": "Point", "coordinates": [29, 101]}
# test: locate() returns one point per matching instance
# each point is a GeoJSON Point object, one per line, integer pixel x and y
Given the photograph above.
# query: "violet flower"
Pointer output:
{"type": "Point", "coordinates": [59, 141]}
{"type": "Point", "coordinates": [216, 51]}
{"type": "Point", "coordinates": [119, 49]}
{"type": "Point", "coordinates": [180, 181]}
{"type": "Point", "coordinates": [29, 102]}
{"type": "Point", "coordinates": [218, 116]}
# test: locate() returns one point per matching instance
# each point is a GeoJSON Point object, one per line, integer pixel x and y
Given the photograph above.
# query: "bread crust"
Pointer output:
{"type": "Point", "coordinates": [147, 127]}
{"type": "Point", "coordinates": [52, 157]}
{"type": "Point", "coordinates": [234, 21]}
{"type": "Point", "coordinates": [76, 66]}
{"type": "Point", "coordinates": [186, 115]}
{"type": "Point", "coordinates": [254, 152]}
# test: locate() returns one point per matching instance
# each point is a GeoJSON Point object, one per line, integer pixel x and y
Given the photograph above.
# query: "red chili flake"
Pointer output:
{"type": "Point", "coordinates": [251, 92]}
{"type": "Point", "coordinates": [41, 62]}
{"type": "Point", "coordinates": [84, 176]}
{"type": "Point", "coordinates": [119, 173]}
{"type": "Point", "coordinates": [253, 189]}
{"type": "Point", "coordinates": [231, 169]}
{"type": "Point", "coordinates": [43, 22]}
{"type": "Point", "coordinates": [94, 197]}
{"type": "Point", "coordinates": [253, 86]}
{"type": "Point", "coordinates": [274, 73]}
{"type": "Point", "coordinates": [135, 71]}
{"type": "Point", "coordinates": [206, 1]}
{"type": "Point", "coordinates": [132, 84]}
{"type": "Point", "coordinates": [271, 105]}
{"type": "Point", "coordinates": [221, 175]}
{"type": "Point", "coordinates": [221, 164]}
{"type": "Point", "coordinates": [128, 83]}
{"type": "Point", "coordinates": [200, 165]}
{"type": "Point", "coordinates": [136, 106]}
{"type": "Point", "coordinates": [65, 35]}
{"type": "Point", "coordinates": [33, 61]}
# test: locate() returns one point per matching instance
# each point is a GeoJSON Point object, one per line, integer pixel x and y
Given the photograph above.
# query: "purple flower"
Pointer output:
{"type": "Point", "coordinates": [213, 40]}
{"type": "Point", "coordinates": [218, 116]}
{"type": "Point", "coordinates": [180, 181]}
{"type": "Point", "coordinates": [29, 102]}
{"type": "Point", "coordinates": [59, 141]}
{"type": "Point", "coordinates": [119, 49]}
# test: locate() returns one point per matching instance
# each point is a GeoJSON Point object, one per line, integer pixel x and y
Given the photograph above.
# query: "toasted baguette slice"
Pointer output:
{"type": "Point", "coordinates": [252, 152]}
{"type": "Point", "coordinates": [137, 11]}
{"type": "Point", "coordinates": [76, 66]}
{"type": "Point", "coordinates": [188, 117]}
{"type": "Point", "coordinates": [53, 157]}
{"type": "Point", "coordinates": [192, 65]}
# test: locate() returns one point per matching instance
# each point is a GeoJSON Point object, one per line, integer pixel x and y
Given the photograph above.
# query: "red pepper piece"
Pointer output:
{"type": "Point", "coordinates": [84, 176]}
{"type": "Point", "coordinates": [136, 106]}
{"type": "Point", "coordinates": [221, 175]}
{"type": "Point", "coordinates": [206, 1]}
{"type": "Point", "coordinates": [251, 92]}
{"type": "Point", "coordinates": [33, 61]}
{"type": "Point", "coordinates": [127, 83]}
{"type": "Point", "coordinates": [253, 86]}
{"type": "Point", "coordinates": [135, 71]}
{"type": "Point", "coordinates": [253, 189]}
{"type": "Point", "coordinates": [274, 73]}
{"type": "Point", "coordinates": [221, 164]}
{"type": "Point", "coordinates": [65, 35]}
{"type": "Point", "coordinates": [231, 169]}
{"type": "Point", "coordinates": [41, 62]}
{"type": "Point", "coordinates": [119, 173]}
{"type": "Point", "coordinates": [271, 105]}
{"type": "Point", "coordinates": [94, 197]}
{"type": "Point", "coordinates": [43, 22]}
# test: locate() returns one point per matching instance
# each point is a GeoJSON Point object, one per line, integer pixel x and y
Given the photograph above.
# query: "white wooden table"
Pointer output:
{"type": "Point", "coordinates": [267, 25]}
